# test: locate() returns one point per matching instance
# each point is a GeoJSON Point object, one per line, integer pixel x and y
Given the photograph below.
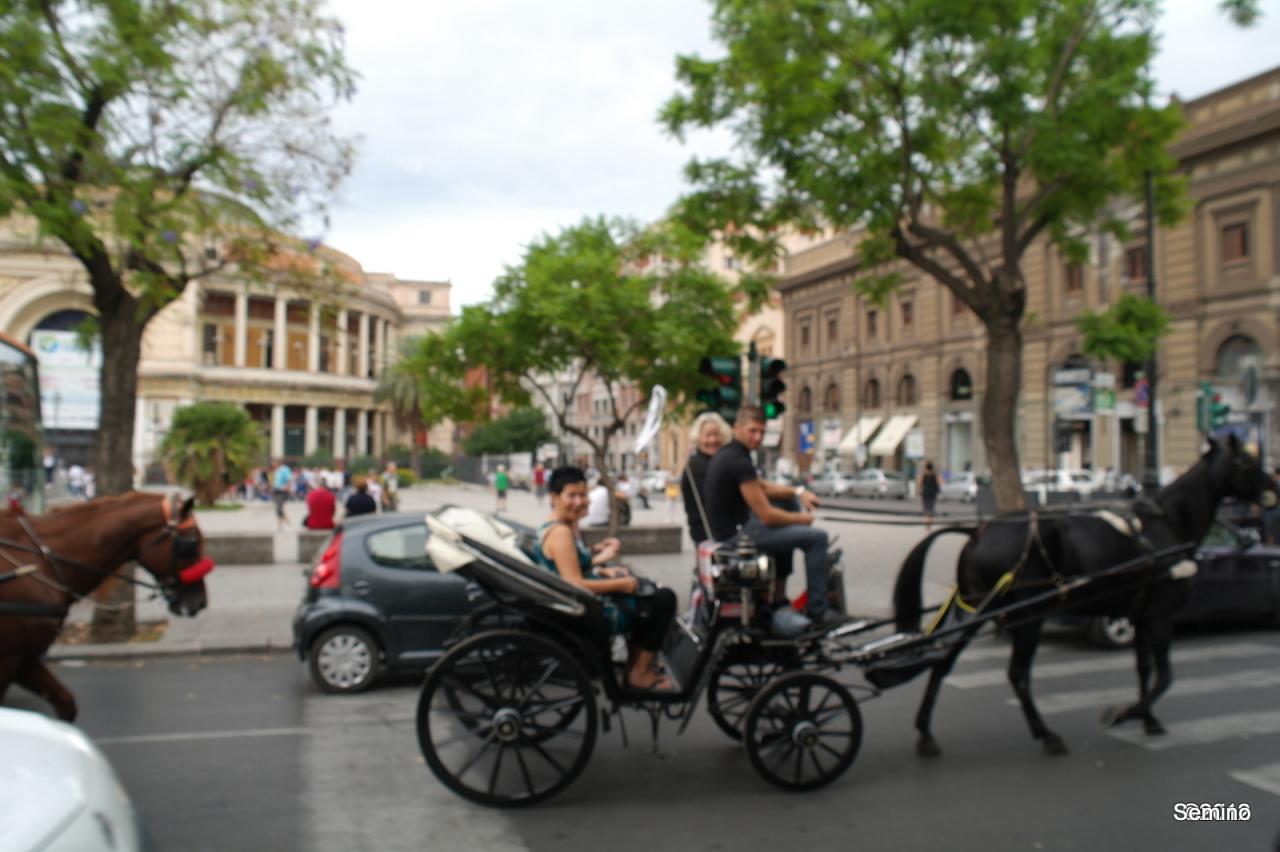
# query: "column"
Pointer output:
{"type": "Point", "coordinates": [363, 354]}
{"type": "Point", "coordinates": [277, 431]}
{"type": "Point", "coordinates": [242, 326]}
{"type": "Point", "coordinates": [344, 344]}
{"type": "Point", "coordinates": [313, 340]}
{"type": "Point", "coordinates": [339, 433]}
{"type": "Point", "coordinates": [379, 342]}
{"type": "Point", "coordinates": [379, 430]}
{"type": "Point", "coordinates": [280, 348]}
{"type": "Point", "coordinates": [312, 430]}
{"type": "Point", "coordinates": [362, 432]}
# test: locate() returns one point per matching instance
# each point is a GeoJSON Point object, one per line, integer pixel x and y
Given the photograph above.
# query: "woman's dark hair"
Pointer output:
{"type": "Point", "coordinates": [562, 476]}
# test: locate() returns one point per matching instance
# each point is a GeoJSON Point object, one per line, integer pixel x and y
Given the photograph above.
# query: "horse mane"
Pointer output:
{"type": "Point", "coordinates": [57, 520]}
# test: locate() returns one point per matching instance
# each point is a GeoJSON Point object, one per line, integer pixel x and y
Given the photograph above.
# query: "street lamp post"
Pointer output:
{"type": "Point", "coordinates": [1151, 467]}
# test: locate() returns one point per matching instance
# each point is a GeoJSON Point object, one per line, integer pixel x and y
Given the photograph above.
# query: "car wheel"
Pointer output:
{"type": "Point", "coordinates": [1108, 632]}
{"type": "Point", "coordinates": [344, 659]}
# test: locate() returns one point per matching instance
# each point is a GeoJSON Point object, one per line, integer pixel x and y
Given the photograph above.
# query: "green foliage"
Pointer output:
{"type": "Point", "coordinates": [434, 464]}
{"type": "Point", "coordinates": [1128, 330]}
{"type": "Point", "coordinates": [405, 477]}
{"type": "Point", "coordinates": [949, 134]}
{"type": "Point", "coordinates": [361, 465]}
{"type": "Point", "coordinates": [519, 431]}
{"type": "Point", "coordinates": [398, 385]}
{"type": "Point", "coordinates": [210, 445]}
{"type": "Point", "coordinates": [400, 454]}
{"type": "Point", "coordinates": [162, 142]}
{"type": "Point", "coordinates": [319, 457]}
{"type": "Point", "coordinates": [591, 299]}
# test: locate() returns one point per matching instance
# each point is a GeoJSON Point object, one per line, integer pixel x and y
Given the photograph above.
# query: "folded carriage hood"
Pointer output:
{"type": "Point", "coordinates": [57, 790]}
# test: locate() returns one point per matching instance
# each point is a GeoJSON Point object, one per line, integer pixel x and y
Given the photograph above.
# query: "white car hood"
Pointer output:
{"type": "Point", "coordinates": [57, 791]}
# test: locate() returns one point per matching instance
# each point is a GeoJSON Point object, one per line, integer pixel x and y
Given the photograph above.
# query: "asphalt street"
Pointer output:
{"type": "Point", "coordinates": [230, 753]}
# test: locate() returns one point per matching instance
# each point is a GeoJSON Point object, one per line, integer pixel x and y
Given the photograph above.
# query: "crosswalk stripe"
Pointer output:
{"type": "Point", "coordinates": [1110, 663]}
{"type": "Point", "coordinates": [1063, 702]}
{"type": "Point", "coordinates": [1263, 777]}
{"type": "Point", "coordinates": [1203, 731]}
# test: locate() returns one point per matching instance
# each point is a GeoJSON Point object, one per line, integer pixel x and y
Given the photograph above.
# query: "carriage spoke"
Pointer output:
{"type": "Point", "coordinates": [536, 689]}
{"type": "Point", "coordinates": [466, 687]}
{"type": "Point", "coordinates": [470, 733]}
{"type": "Point", "coordinates": [799, 764]}
{"type": "Point", "coordinates": [497, 766]}
{"type": "Point", "coordinates": [488, 741]}
{"type": "Point", "coordinates": [837, 755]}
{"type": "Point", "coordinates": [537, 747]}
{"type": "Point", "coordinates": [817, 765]}
{"type": "Point", "coordinates": [556, 732]}
{"type": "Point", "coordinates": [524, 770]}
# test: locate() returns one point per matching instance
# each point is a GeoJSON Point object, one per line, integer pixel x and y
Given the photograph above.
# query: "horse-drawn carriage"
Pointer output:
{"type": "Point", "coordinates": [510, 715]}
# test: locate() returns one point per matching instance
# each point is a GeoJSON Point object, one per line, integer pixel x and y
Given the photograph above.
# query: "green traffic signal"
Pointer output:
{"type": "Point", "coordinates": [772, 387]}
{"type": "Point", "coordinates": [1218, 411]}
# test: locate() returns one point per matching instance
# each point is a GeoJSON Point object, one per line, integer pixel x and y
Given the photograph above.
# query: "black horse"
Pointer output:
{"type": "Point", "coordinates": [1041, 553]}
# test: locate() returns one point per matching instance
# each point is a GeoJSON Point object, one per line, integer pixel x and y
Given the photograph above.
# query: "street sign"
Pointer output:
{"type": "Point", "coordinates": [806, 436]}
{"type": "Point", "coordinates": [1104, 400]}
{"type": "Point", "coordinates": [915, 444]}
{"type": "Point", "coordinates": [1142, 393]}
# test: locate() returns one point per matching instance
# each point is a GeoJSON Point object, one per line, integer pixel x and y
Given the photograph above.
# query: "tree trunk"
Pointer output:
{"type": "Point", "coordinates": [114, 620]}
{"type": "Point", "coordinates": [1000, 410]}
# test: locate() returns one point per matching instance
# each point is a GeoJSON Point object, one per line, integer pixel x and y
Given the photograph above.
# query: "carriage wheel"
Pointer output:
{"type": "Point", "coordinates": [734, 683]}
{"type": "Point", "coordinates": [802, 731]}
{"type": "Point", "coordinates": [507, 718]}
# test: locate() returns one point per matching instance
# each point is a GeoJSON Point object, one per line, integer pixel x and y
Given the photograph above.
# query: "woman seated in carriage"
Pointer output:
{"type": "Point", "coordinates": [644, 619]}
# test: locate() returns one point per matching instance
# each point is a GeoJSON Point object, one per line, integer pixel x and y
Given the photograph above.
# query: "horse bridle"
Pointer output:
{"type": "Point", "coordinates": [185, 546]}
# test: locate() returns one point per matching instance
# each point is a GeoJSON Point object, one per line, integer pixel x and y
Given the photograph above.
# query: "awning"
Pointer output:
{"type": "Point", "coordinates": [859, 434]}
{"type": "Point", "coordinates": [886, 443]}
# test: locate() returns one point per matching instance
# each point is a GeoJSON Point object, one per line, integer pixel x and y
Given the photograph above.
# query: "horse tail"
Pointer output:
{"type": "Point", "coordinates": [907, 599]}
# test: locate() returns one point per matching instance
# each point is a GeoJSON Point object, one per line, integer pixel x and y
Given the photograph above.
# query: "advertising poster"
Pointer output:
{"type": "Point", "coordinates": [69, 394]}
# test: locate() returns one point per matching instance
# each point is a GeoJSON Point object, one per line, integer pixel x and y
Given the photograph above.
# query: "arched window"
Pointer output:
{"type": "Point", "coordinates": [831, 398]}
{"type": "Point", "coordinates": [1236, 354]}
{"type": "Point", "coordinates": [961, 385]}
{"type": "Point", "coordinates": [907, 390]}
{"type": "Point", "coordinates": [871, 394]}
{"type": "Point", "coordinates": [805, 402]}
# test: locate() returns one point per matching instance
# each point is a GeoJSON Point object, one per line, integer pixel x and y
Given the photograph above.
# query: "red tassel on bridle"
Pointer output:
{"type": "Point", "coordinates": [196, 572]}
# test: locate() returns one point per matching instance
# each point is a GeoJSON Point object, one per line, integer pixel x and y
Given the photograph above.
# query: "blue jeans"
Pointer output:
{"type": "Point", "coordinates": [781, 541]}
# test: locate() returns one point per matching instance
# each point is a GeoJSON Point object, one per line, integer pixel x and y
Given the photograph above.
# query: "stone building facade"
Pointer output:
{"type": "Point", "coordinates": [304, 361]}
{"type": "Point", "coordinates": [895, 383]}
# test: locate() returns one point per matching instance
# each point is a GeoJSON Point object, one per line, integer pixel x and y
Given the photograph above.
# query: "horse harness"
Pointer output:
{"type": "Point", "coordinates": [185, 546]}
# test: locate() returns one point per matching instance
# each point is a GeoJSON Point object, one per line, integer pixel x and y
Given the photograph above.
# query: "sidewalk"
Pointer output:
{"type": "Point", "coordinates": [251, 607]}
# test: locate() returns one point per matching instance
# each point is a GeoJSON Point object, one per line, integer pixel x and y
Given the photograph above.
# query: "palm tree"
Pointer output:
{"type": "Point", "coordinates": [398, 386]}
{"type": "Point", "coordinates": [211, 445]}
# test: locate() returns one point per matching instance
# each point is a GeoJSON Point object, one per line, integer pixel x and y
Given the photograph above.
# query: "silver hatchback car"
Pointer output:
{"type": "Point", "coordinates": [874, 482]}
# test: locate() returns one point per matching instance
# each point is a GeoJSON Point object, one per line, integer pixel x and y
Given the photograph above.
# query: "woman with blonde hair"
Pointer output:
{"type": "Point", "coordinates": [709, 433]}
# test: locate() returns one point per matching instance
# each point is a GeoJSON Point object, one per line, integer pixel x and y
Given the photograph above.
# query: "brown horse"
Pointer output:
{"type": "Point", "coordinates": [48, 562]}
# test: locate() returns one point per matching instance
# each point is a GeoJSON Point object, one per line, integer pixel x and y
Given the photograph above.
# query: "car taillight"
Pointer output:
{"type": "Point", "coordinates": [327, 573]}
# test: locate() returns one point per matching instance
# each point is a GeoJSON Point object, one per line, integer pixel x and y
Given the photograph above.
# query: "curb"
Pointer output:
{"type": "Point", "coordinates": [139, 650]}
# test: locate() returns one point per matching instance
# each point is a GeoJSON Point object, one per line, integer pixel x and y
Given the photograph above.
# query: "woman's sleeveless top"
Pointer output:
{"type": "Point", "coordinates": [614, 614]}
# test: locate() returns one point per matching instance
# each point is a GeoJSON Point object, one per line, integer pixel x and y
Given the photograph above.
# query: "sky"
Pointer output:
{"type": "Point", "coordinates": [484, 124]}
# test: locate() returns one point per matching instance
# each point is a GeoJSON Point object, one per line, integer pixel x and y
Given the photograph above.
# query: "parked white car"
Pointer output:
{"type": "Point", "coordinates": [831, 484]}
{"type": "Point", "coordinates": [874, 482]}
{"type": "Point", "coordinates": [962, 487]}
{"type": "Point", "coordinates": [1042, 482]}
{"type": "Point", "coordinates": [58, 793]}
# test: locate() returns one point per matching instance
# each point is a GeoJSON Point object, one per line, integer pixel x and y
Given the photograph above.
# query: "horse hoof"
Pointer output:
{"type": "Point", "coordinates": [1055, 746]}
{"type": "Point", "coordinates": [928, 748]}
{"type": "Point", "coordinates": [1153, 728]}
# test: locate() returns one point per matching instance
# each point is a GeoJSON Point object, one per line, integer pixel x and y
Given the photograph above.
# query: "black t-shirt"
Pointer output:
{"type": "Point", "coordinates": [695, 474]}
{"type": "Point", "coordinates": [726, 510]}
{"type": "Point", "coordinates": [361, 503]}
{"type": "Point", "coordinates": [930, 487]}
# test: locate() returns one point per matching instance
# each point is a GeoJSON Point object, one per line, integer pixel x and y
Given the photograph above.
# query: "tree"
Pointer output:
{"type": "Point", "coordinates": [1130, 329]}
{"type": "Point", "coordinates": [599, 299]}
{"type": "Point", "coordinates": [399, 386]}
{"type": "Point", "coordinates": [160, 142]}
{"type": "Point", "coordinates": [210, 446]}
{"type": "Point", "coordinates": [946, 135]}
{"type": "Point", "coordinates": [520, 431]}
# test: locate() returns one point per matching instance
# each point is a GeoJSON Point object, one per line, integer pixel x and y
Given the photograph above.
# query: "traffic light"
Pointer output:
{"type": "Point", "coordinates": [772, 386]}
{"type": "Point", "coordinates": [1218, 411]}
{"type": "Point", "coordinates": [726, 396]}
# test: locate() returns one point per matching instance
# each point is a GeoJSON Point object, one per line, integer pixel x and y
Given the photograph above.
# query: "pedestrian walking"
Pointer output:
{"type": "Point", "coordinates": [929, 489]}
{"type": "Point", "coordinates": [391, 488]}
{"type": "Point", "coordinates": [281, 478]}
{"type": "Point", "coordinates": [539, 482]}
{"type": "Point", "coordinates": [501, 483]}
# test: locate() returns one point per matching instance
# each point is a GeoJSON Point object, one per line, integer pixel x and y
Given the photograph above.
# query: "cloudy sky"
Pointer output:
{"type": "Point", "coordinates": [487, 122]}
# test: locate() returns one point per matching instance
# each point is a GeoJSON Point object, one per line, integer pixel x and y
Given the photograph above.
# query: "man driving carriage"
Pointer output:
{"type": "Point", "coordinates": [738, 498]}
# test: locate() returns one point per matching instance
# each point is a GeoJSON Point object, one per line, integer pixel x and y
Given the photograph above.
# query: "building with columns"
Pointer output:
{"type": "Point", "coordinates": [893, 383]}
{"type": "Point", "coordinates": [303, 361]}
